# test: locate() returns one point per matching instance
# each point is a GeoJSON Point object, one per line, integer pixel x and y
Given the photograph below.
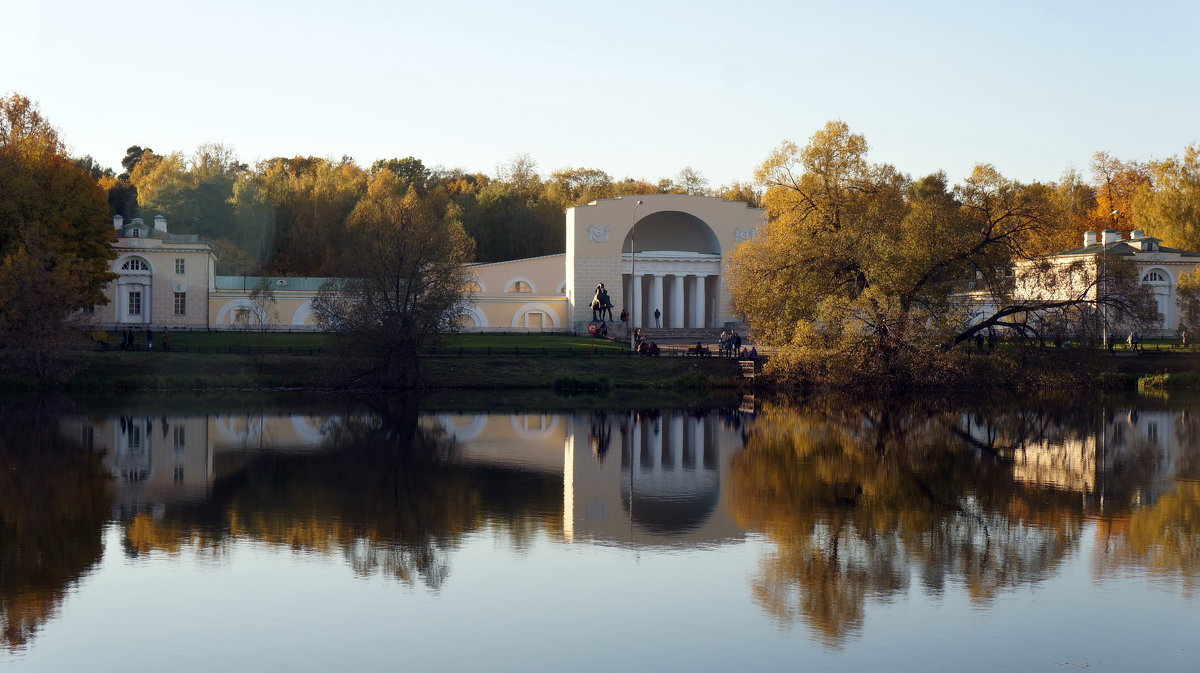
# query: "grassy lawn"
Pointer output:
{"type": "Point", "coordinates": [608, 367]}
{"type": "Point", "coordinates": [211, 341]}
{"type": "Point", "coordinates": [530, 341]}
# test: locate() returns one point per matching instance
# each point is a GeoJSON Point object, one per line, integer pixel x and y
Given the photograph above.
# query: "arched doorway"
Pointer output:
{"type": "Point", "coordinates": [134, 289]}
{"type": "Point", "coordinates": [671, 263]}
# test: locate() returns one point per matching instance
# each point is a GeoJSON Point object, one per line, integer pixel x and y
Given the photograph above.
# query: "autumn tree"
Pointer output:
{"type": "Point", "coordinates": [54, 240]}
{"type": "Point", "coordinates": [406, 286]}
{"type": "Point", "coordinates": [1168, 206]}
{"type": "Point", "coordinates": [577, 186]}
{"type": "Point", "coordinates": [1117, 183]}
{"type": "Point", "coordinates": [861, 269]}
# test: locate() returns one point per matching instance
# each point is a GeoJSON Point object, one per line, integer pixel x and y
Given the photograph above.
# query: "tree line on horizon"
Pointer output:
{"type": "Point", "coordinates": [288, 215]}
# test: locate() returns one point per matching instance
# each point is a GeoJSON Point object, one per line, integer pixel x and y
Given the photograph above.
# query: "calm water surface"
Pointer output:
{"type": "Point", "coordinates": [201, 534]}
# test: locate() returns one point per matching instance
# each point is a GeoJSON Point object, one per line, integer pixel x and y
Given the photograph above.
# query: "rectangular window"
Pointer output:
{"type": "Point", "coordinates": [135, 303]}
{"type": "Point", "coordinates": [179, 265]}
{"type": "Point", "coordinates": [180, 303]}
{"type": "Point", "coordinates": [179, 437]}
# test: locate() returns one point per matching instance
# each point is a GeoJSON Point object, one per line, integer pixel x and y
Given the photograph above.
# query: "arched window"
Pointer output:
{"type": "Point", "coordinates": [520, 286]}
{"type": "Point", "coordinates": [1154, 277]}
{"type": "Point", "coordinates": [473, 286]}
{"type": "Point", "coordinates": [135, 264]}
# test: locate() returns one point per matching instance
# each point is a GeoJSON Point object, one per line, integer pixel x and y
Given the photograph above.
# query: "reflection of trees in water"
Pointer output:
{"type": "Point", "coordinates": [388, 494]}
{"type": "Point", "coordinates": [1162, 537]}
{"type": "Point", "coordinates": [53, 505]}
{"type": "Point", "coordinates": [857, 497]}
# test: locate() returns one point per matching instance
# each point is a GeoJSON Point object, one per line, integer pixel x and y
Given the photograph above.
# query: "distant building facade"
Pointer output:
{"type": "Point", "coordinates": [663, 252]}
{"type": "Point", "coordinates": [1158, 268]}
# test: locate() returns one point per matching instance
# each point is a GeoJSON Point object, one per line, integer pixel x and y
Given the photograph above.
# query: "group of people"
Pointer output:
{"type": "Point", "coordinates": [128, 341]}
{"type": "Point", "coordinates": [1134, 341]}
{"type": "Point", "coordinates": [730, 343]}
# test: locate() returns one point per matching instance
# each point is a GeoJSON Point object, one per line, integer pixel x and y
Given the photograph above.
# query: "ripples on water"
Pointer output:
{"type": "Point", "coordinates": [822, 530]}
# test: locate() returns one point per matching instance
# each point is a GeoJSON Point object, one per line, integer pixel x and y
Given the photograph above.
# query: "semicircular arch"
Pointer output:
{"type": "Point", "coordinates": [472, 311]}
{"type": "Point", "coordinates": [128, 258]}
{"type": "Point", "coordinates": [519, 316]}
{"type": "Point", "coordinates": [672, 230]}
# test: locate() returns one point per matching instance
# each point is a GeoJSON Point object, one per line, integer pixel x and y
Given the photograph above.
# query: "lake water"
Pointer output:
{"type": "Point", "coordinates": [182, 533]}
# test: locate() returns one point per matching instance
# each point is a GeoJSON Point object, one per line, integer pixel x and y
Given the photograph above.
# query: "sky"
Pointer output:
{"type": "Point", "coordinates": [638, 90]}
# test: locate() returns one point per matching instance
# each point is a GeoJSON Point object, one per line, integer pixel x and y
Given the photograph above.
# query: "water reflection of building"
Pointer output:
{"type": "Point", "coordinates": [1083, 455]}
{"type": "Point", "coordinates": [156, 460]}
{"type": "Point", "coordinates": [628, 477]}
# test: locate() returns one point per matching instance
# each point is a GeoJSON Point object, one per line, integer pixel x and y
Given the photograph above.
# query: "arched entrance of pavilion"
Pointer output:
{"type": "Point", "coordinates": [671, 262]}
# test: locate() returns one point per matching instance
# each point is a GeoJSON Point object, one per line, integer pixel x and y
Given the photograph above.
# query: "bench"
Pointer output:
{"type": "Point", "coordinates": [701, 351]}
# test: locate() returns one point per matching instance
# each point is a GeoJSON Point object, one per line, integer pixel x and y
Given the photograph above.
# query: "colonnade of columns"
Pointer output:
{"type": "Point", "coordinates": [678, 442]}
{"type": "Point", "coordinates": [681, 313]}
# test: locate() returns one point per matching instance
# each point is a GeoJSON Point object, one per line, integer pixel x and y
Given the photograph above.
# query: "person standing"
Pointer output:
{"type": "Point", "coordinates": [657, 316]}
{"type": "Point", "coordinates": [166, 346]}
{"type": "Point", "coordinates": [149, 339]}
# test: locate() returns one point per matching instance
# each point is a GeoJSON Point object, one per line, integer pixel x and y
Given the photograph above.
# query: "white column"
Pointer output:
{"type": "Point", "coordinates": [698, 302]}
{"type": "Point", "coordinates": [656, 299]}
{"type": "Point", "coordinates": [656, 446]}
{"type": "Point", "coordinates": [635, 438]}
{"type": "Point", "coordinates": [677, 440]}
{"type": "Point", "coordinates": [635, 301]}
{"type": "Point", "coordinates": [677, 302]}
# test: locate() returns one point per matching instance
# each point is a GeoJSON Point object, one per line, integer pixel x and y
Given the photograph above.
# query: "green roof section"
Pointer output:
{"type": "Point", "coordinates": [276, 283]}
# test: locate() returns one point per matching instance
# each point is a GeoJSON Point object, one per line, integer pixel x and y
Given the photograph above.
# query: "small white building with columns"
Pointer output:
{"type": "Point", "coordinates": [656, 252]}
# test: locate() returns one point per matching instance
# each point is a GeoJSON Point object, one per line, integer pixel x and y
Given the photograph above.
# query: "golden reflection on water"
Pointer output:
{"type": "Point", "coordinates": [858, 501]}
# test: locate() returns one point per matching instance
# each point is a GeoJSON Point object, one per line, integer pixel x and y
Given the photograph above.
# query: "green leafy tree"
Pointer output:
{"type": "Point", "coordinates": [406, 287]}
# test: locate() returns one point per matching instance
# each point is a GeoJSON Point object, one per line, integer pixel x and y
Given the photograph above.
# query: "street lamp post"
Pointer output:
{"type": "Point", "coordinates": [633, 289]}
{"type": "Point", "coordinates": [1103, 298]}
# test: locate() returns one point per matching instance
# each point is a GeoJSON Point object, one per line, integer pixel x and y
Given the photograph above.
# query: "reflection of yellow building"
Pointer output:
{"type": "Point", "coordinates": [1063, 457]}
{"type": "Point", "coordinates": [640, 478]}
{"type": "Point", "coordinates": [156, 460]}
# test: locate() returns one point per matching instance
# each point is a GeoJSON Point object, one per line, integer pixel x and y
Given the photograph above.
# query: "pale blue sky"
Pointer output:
{"type": "Point", "coordinates": [638, 90]}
